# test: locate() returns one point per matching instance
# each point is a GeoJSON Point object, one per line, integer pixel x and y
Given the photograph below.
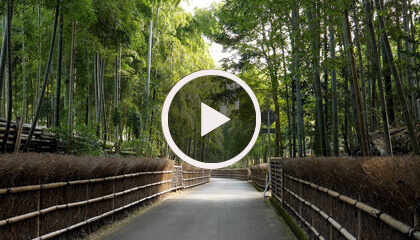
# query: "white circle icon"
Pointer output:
{"type": "Point", "coordinates": [165, 119]}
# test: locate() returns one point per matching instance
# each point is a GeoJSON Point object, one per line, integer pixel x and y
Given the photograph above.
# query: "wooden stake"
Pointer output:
{"type": "Point", "coordinates": [18, 130]}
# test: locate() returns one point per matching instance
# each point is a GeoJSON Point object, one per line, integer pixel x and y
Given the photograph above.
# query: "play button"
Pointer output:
{"type": "Point", "coordinates": [211, 119]}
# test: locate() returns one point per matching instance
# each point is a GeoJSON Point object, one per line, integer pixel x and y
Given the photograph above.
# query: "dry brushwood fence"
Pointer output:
{"type": "Point", "coordinates": [351, 198]}
{"type": "Point", "coordinates": [193, 176]}
{"type": "Point", "coordinates": [61, 196]}
{"type": "Point", "coordinates": [259, 174]}
{"type": "Point", "coordinates": [239, 174]}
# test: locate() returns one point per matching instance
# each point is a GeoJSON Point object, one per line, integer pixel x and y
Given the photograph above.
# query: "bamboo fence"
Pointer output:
{"type": "Point", "coordinates": [53, 209]}
{"type": "Point", "coordinates": [194, 178]}
{"type": "Point", "coordinates": [259, 174]}
{"type": "Point", "coordinates": [239, 174]}
{"type": "Point", "coordinates": [176, 178]}
{"type": "Point", "coordinates": [332, 215]}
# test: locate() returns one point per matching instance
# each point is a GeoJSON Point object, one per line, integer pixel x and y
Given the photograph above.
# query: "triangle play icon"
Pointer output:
{"type": "Point", "coordinates": [211, 119]}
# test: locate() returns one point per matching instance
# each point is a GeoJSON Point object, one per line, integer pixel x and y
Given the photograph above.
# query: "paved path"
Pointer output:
{"type": "Point", "coordinates": [222, 209]}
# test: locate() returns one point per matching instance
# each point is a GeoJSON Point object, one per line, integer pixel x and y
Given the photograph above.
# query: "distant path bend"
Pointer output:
{"type": "Point", "coordinates": [222, 209]}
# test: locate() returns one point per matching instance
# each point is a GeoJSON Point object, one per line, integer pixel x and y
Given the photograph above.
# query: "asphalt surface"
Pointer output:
{"type": "Point", "coordinates": [222, 209]}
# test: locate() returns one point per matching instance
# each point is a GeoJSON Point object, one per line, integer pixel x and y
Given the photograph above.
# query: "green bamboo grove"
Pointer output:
{"type": "Point", "coordinates": [343, 76]}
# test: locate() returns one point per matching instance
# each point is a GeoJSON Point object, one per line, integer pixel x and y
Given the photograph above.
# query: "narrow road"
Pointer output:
{"type": "Point", "coordinates": [222, 209]}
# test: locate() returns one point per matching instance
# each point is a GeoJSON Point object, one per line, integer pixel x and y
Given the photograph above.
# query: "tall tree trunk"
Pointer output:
{"type": "Point", "coordinates": [378, 71]}
{"type": "Point", "coordinates": [362, 75]}
{"type": "Point", "coordinates": [334, 94]}
{"type": "Point", "coordinates": [417, 79]}
{"type": "Point", "coordinates": [317, 83]}
{"type": "Point", "coordinates": [404, 106]}
{"type": "Point", "coordinates": [71, 84]}
{"type": "Point", "coordinates": [293, 118]}
{"type": "Point", "coordinates": [97, 93]}
{"type": "Point", "coordinates": [278, 139]}
{"type": "Point", "coordinates": [24, 98]}
{"type": "Point", "coordinates": [409, 64]}
{"type": "Point", "coordinates": [295, 46]}
{"type": "Point", "coordinates": [326, 97]}
{"type": "Point", "coordinates": [3, 55]}
{"type": "Point", "coordinates": [289, 136]}
{"type": "Point", "coordinates": [102, 101]}
{"type": "Point", "coordinates": [59, 73]}
{"type": "Point", "coordinates": [361, 126]}
{"type": "Point", "coordinates": [10, 76]}
{"type": "Point", "coordinates": [116, 96]}
{"type": "Point", "coordinates": [44, 86]}
{"type": "Point", "coordinates": [149, 61]}
{"type": "Point", "coordinates": [388, 88]}
{"type": "Point", "coordinates": [38, 74]}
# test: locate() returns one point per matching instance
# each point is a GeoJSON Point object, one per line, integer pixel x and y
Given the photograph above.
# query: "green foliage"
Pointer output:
{"type": "Point", "coordinates": [83, 141]}
{"type": "Point", "coordinates": [141, 146]}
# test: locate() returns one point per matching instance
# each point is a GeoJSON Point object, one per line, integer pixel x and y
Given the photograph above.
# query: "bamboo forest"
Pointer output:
{"type": "Point", "coordinates": [343, 75]}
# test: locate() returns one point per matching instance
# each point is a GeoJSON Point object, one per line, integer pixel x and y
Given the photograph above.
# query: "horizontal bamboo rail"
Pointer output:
{"type": "Point", "coordinates": [59, 232]}
{"type": "Point", "coordinates": [194, 185]}
{"type": "Point", "coordinates": [316, 233]}
{"type": "Point", "coordinates": [333, 222]}
{"type": "Point", "coordinates": [30, 188]}
{"type": "Point", "coordinates": [177, 178]}
{"type": "Point", "coordinates": [376, 213]}
{"type": "Point", "coordinates": [196, 178]}
{"type": "Point", "coordinates": [74, 204]}
{"type": "Point", "coordinates": [262, 179]}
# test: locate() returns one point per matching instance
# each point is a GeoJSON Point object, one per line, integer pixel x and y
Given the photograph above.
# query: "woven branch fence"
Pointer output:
{"type": "Point", "coordinates": [193, 176]}
{"type": "Point", "coordinates": [329, 214]}
{"type": "Point", "coordinates": [259, 174]}
{"type": "Point", "coordinates": [239, 174]}
{"type": "Point", "coordinates": [66, 209]}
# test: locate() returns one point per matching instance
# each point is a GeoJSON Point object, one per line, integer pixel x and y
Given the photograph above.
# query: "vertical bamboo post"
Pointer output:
{"type": "Point", "coordinates": [87, 206]}
{"type": "Point", "coordinates": [113, 199]}
{"type": "Point", "coordinates": [330, 213]}
{"type": "Point", "coordinates": [274, 168]}
{"type": "Point", "coordinates": [300, 194]}
{"type": "Point", "coordinates": [18, 132]}
{"type": "Point", "coordinates": [359, 222]}
{"type": "Point", "coordinates": [282, 185]}
{"type": "Point", "coordinates": [38, 208]}
{"type": "Point", "coordinates": [417, 213]}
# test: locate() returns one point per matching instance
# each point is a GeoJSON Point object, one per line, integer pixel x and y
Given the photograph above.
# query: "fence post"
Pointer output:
{"type": "Point", "coordinates": [300, 203]}
{"type": "Point", "coordinates": [38, 208]}
{"type": "Point", "coordinates": [417, 213]}
{"type": "Point", "coordinates": [330, 213]}
{"type": "Point", "coordinates": [359, 222]}
{"type": "Point", "coordinates": [282, 185]}
{"type": "Point", "coordinates": [87, 206]}
{"type": "Point", "coordinates": [18, 132]}
{"type": "Point", "coordinates": [113, 199]}
{"type": "Point", "coordinates": [273, 189]}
